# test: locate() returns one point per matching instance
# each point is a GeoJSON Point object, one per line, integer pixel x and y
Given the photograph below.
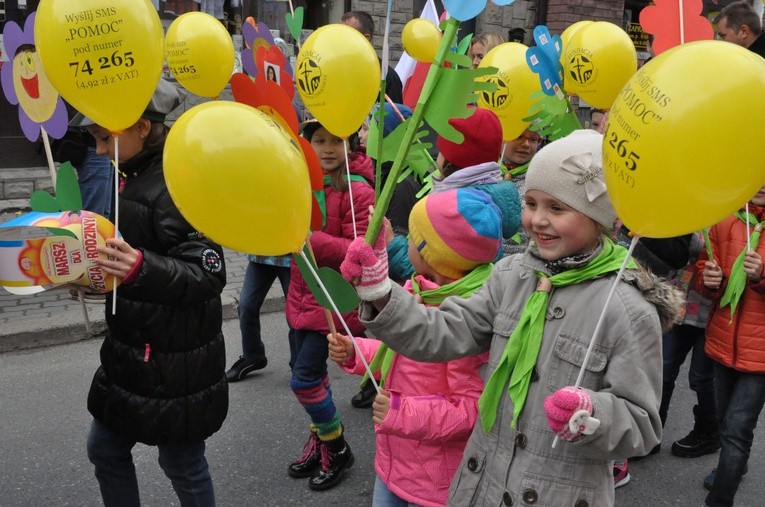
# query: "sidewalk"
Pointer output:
{"type": "Point", "coordinates": [52, 317]}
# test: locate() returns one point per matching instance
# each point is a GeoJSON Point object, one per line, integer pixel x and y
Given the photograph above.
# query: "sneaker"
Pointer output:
{"type": "Point", "coordinates": [333, 465]}
{"type": "Point", "coordinates": [308, 463]}
{"type": "Point", "coordinates": [365, 397]}
{"type": "Point", "coordinates": [242, 367]}
{"type": "Point", "coordinates": [695, 444]}
{"type": "Point", "coordinates": [621, 473]}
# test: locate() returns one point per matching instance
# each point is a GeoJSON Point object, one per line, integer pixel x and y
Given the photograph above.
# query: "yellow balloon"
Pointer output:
{"type": "Point", "coordinates": [338, 77]}
{"type": "Point", "coordinates": [679, 152]}
{"type": "Point", "coordinates": [565, 37]}
{"type": "Point", "coordinates": [515, 83]}
{"type": "Point", "coordinates": [103, 56]}
{"type": "Point", "coordinates": [240, 179]}
{"type": "Point", "coordinates": [421, 39]}
{"type": "Point", "coordinates": [200, 53]}
{"type": "Point", "coordinates": [599, 60]}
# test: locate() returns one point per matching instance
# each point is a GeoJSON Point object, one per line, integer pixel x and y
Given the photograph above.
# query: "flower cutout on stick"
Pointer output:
{"type": "Point", "coordinates": [25, 84]}
{"type": "Point", "coordinates": [272, 66]}
{"type": "Point", "coordinates": [675, 22]}
{"type": "Point", "coordinates": [463, 10]}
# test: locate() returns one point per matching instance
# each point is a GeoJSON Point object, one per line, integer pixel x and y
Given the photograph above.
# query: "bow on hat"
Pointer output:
{"type": "Point", "coordinates": [581, 165]}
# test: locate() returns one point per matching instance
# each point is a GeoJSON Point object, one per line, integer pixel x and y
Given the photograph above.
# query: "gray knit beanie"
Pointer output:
{"type": "Point", "coordinates": [571, 170]}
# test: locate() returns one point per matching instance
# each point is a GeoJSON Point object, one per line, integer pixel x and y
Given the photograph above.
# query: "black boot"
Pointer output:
{"type": "Point", "coordinates": [365, 396]}
{"type": "Point", "coordinates": [336, 456]}
{"type": "Point", "coordinates": [306, 465]}
{"type": "Point", "coordinates": [703, 439]}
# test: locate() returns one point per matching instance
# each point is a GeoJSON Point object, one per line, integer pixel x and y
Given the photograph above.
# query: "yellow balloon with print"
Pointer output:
{"type": "Point", "coordinates": [679, 152]}
{"type": "Point", "coordinates": [569, 32]}
{"type": "Point", "coordinates": [515, 83]}
{"type": "Point", "coordinates": [239, 178]}
{"type": "Point", "coordinates": [103, 56]}
{"type": "Point", "coordinates": [338, 77]}
{"type": "Point", "coordinates": [599, 59]}
{"type": "Point", "coordinates": [421, 39]}
{"type": "Point", "coordinates": [200, 53]}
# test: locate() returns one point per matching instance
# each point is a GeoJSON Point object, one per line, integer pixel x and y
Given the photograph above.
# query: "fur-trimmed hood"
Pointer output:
{"type": "Point", "coordinates": [668, 299]}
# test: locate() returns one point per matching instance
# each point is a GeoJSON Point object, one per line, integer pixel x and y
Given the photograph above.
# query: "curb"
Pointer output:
{"type": "Point", "coordinates": [65, 333]}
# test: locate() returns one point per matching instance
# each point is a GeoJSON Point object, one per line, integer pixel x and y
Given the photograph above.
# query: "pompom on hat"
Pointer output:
{"type": "Point", "coordinates": [571, 170]}
{"type": "Point", "coordinates": [456, 231]}
{"type": "Point", "coordinates": [483, 140]}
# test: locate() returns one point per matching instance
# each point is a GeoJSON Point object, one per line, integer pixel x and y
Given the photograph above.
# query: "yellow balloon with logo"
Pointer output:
{"type": "Point", "coordinates": [338, 77]}
{"type": "Point", "coordinates": [515, 83]}
{"type": "Point", "coordinates": [239, 178]}
{"type": "Point", "coordinates": [200, 53]}
{"type": "Point", "coordinates": [421, 39]}
{"type": "Point", "coordinates": [599, 59]}
{"type": "Point", "coordinates": [680, 153]}
{"type": "Point", "coordinates": [569, 32]}
{"type": "Point", "coordinates": [103, 56]}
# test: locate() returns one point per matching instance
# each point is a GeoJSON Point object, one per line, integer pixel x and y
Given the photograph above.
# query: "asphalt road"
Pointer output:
{"type": "Point", "coordinates": [44, 423]}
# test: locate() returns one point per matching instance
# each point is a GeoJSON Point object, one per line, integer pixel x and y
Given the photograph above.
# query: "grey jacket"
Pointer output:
{"type": "Point", "coordinates": [519, 466]}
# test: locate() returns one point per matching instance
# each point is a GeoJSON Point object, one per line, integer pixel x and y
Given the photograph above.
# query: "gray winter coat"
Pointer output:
{"type": "Point", "coordinates": [519, 466]}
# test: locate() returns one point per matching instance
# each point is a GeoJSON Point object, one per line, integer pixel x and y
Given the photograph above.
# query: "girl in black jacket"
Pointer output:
{"type": "Point", "coordinates": [162, 374]}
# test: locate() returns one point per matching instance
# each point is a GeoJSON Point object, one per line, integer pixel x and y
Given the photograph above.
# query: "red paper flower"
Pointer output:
{"type": "Point", "coordinates": [272, 67]}
{"type": "Point", "coordinates": [663, 21]}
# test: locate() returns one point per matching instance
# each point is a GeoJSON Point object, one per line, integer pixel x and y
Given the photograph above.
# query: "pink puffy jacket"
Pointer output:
{"type": "Point", "coordinates": [432, 412]}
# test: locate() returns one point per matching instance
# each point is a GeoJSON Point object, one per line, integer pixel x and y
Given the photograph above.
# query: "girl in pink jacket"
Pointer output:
{"type": "Point", "coordinates": [426, 411]}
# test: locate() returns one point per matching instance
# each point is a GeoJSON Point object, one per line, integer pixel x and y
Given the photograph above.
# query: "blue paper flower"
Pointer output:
{"type": "Point", "coordinates": [463, 10]}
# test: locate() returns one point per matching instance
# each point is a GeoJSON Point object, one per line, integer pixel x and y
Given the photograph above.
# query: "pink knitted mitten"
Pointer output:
{"type": "Point", "coordinates": [569, 413]}
{"type": "Point", "coordinates": [369, 266]}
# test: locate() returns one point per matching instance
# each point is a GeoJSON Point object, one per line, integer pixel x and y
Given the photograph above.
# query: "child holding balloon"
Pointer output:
{"type": "Point", "coordinates": [161, 379]}
{"type": "Point", "coordinates": [536, 315]}
{"type": "Point", "coordinates": [735, 334]}
{"type": "Point", "coordinates": [345, 203]}
{"type": "Point", "coordinates": [426, 411]}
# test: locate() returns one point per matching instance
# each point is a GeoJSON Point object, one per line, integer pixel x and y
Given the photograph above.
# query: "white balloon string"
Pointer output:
{"type": "Point", "coordinates": [748, 232]}
{"type": "Point", "coordinates": [350, 188]}
{"type": "Point", "coordinates": [359, 355]}
{"type": "Point", "coordinates": [502, 156]}
{"type": "Point", "coordinates": [602, 317]}
{"type": "Point", "coordinates": [116, 212]}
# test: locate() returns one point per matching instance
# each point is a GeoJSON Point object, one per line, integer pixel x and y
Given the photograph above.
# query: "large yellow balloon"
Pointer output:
{"type": "Point", "coordinates": [599, 59]}
{"type": "Point", "coordinates": [237, 177]}
{"type": "Point", "coordinates": [515, 83]}
{"type": "Point", "coordinates": [569, 32]}
{"type": "Point", "coordinates": [338, 77]}
{"type": "Point", "coordinates": [103, 56]}
{"type": "Point", "coordinates": [421, 39]}
{"type": "Point", "coordinates": [681, 152]}
{"type": "Point", "coordinates": [200, 53]}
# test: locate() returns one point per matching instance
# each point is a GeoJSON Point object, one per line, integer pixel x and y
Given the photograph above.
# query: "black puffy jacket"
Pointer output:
{"type": "Point", "coordinates": [162, 373]}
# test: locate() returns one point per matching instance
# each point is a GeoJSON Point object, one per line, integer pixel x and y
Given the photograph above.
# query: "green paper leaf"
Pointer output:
{"type": "Point", "coordinates": [454, 90]}
{"type": "Point", "coordinates": [341, 291]}
{"type": "Point", "coordinates": [417, 161]}
{"type": "Point", "coordinates": [459, 59]}
{"type": "Point", "coordinates": [464, 45]}
{"type": "Point", "coordinates": [552, 116]}
{"type": "Point", "coordinates": [295, 22]}
{"type": "Point", "coordinates": [68, 196]}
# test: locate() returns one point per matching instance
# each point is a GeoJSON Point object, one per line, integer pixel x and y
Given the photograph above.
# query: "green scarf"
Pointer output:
{"type": "Point", "coordinates": [321, 197]}
{"type": "Point", "coordinates": [737, 280]}
{"type": "Point", "coordinates": [463, 287]}
{"type": "Point", "coordinates": [520, 354]}
{"type": "Point", "coordinates": [516, 171]}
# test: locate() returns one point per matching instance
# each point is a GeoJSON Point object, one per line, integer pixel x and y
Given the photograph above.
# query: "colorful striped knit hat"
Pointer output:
{"type": "Point", "coordinates": [456, 231]}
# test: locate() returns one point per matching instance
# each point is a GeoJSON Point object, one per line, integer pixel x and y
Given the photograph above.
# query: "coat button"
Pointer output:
{"type": "Point", "coordinates": [507, 499]}
{"type": "Point", "coordinates": [581, 503]}
{"type": "Point", "coordinates": [472, 464]}
{"type": "Point", "coordinates": [530, 496]}
{"type": "Point", "coordinates": [520, 441]}
{"type": "Point", "coordinates": [558, 312]}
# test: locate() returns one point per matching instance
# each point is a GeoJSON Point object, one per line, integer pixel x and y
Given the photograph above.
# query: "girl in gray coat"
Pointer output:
{"type": "Point", "coordinates": [536, 315]}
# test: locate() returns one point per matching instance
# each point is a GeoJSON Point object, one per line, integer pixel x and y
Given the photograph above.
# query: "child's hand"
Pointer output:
{"type": "Point", "coordinates": [340, 348]}
{"type": "Point", "coordinates": [389, 234]}
{"type": "Point", "coordinates": [380, 406]}
{"type": "Point", "coordinates": [569, 413]}
{"type": "Point", "coordinates": [753, 266]}
{"type": "Point", "coordinates": [121, 257]}
{"type": "Point", "coordinates": [712, 275]}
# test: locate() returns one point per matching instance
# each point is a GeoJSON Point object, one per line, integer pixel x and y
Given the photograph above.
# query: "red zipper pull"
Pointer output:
{"type": "Point", "coordinates": [146, 353]}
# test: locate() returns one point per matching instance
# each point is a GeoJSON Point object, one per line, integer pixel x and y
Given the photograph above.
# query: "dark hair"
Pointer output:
{"type": "Point", "coordinates": [155, 139]}
{"type": "Point", "coordinates": [596, 110]}
{"type": "Point", "coordinates": [365, 21]}
{"type": "Point", "coordinates": [337, 178]}
{"type": "Point", "coordinates": [739, 14]}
